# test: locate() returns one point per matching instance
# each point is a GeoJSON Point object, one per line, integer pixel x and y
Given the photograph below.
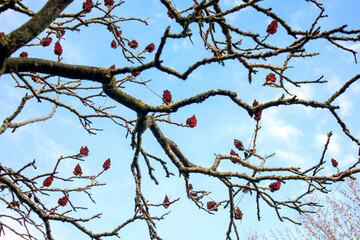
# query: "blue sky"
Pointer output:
{"type": "Point", "coordinates": [295, 134]}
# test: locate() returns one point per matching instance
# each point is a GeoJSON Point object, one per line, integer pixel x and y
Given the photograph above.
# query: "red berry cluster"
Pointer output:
{"type": "Point", "coordinates": [257, 115]}
{"type": "Point", "coordinates": [113, 44]}
{"type": "Point", "coordinates": [63, 201]}
{"type": "Point", "coordinates": [109, 3]}
{"type": "Point", "coordinates": [334, 162]}
{"type": "Point", "coordinates": [233, 153]}
{"type": "Point", "coordinates": [274, 186]}
{"type": "Point", "coordinates": [192, 193]}
{"type": "Point", "coordinates": [24, 54]}
{"type": "Point", "coordinates": [48, 181]}
{"type": "Point", "coordinates": [272, 28]}
{"type": "Point", "coordinates": [106, 164]}
{"type": "Point", "coordinates": [270, 78]}
{"type": "Point", "coordinates": [58, 49]}
{"type": "Point", "coordinates": [238, 214]}
{"type": "Point", "coordinates": [14, 204]}
{"type": "Point", "coordinates": [45, 41]}
{"type": "Point", "coordinates": [133, 44]}
{"type": "Point", "coordinates": [166, 202]}
{"type": "Point", "coordinates": [35, 79]}
{"type": "Point", "coordinates": [170, 15]}
{"type": "Point", "coordinates": [84, 151]}
{"type": "Point", "coordinates": [135, 74]}
{"type": "Point", "coordinates": [150, 48]}
{"type": "Point", "coordinates": [191, 122]}
{"type": "Point", "coordinates": [167, 98]}
{"type": "Point", "coordinates": [239, 145]}
{"type": "Point", "coordinates": [77, 170]}
{"type": "Point", "coordinates": [212, 206]}
{"type": "Point", "coordinates": [87, 4]}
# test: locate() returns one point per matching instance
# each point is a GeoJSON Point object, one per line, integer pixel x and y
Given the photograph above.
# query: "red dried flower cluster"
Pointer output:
{"type": "Point", "coordinates": [149, 48]}
{"type": "Point", "coordinates": [112, 67]}
{"type": "Point", "coordinates": [2, 34]}
{"type": "Point", "coordinates": [166, 202]}
{"type": "Point", "coordinates": [135, 74]}
{"type": "Point", "coordinates": [48, 181]}
{"type": "Point", "coordinates": [36, 199]}
{"type": "Point", "coordinates": [257, 115]}
{"type": "Point", "coordinates": [58, 49]}
{"type": "Point", "coordinates": [77, 170]}
{"type": "Point", "coordinates": [238, 144]}
{"type": "Point", "coordinates": [270, 78]}
{"type": "Point", "coordinates": [167, 97]}
{"type": "Point", "coordinates": [191, 121]}
{"type": "Point", "coordinates": [233, 153]}
{"type": "Point", "coordinates": [87, 4]}
{"type": "Point", "coordinates": [109, 3]}
{"type": "Point", "coordinates": [46, 41]}
{"type": "Point", "coordinates": [275, 186]}
{"type": "Point", "coordinates": [272, 28]}
{"type": "Point", "coordinates": [238, 214]}
{"type": "Point", "coordinates": [62, 201]}
{"type": "Point", "coordinates": [62, 32]}
{"type": "Point", "coordinates": [14, 204]}
{"type": "Point", "coordinates": [212, 206]}
{"type": "Point", "coordinates": [133, 44]}
{"type": "Point", "coordinates": [84, 151]}
{"type": "Point", "coordinates": [334, 162]}
{"type": "Point", "coordinates": [24, 54]}
{"type": "Point", "coordinates": [106, 164]}
{"type": "Point", "coordinates": [34, 78]}
{"type": "Point", "coordinates": [118, 33]}
{"type": "Point", "coordinates": [193, 194]}
{"type": "Point", "coordinates": [113, 44]}
{"type": "Point", "coordinates": [170, 15]}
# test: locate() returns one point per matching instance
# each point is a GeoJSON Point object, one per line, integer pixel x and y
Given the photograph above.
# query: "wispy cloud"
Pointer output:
{"type": "Point", "coordinates": [334, 148]}
{"type": "Point", "coordinates": [293, 158]}
{"type": "Point", "coordinates": [176, 46]}
{"type": "Point", "coordinates": [277, 128]}
{"type": "Point", "coordinates": [346, 107]}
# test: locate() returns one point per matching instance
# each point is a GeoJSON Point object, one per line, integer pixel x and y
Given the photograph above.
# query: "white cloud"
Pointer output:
{"type": "Point", "coordinates": [334, 146]}
{"type": "Point", "coordinates": [346, 107]}
{"type": "Point", "coordinates": [348, 160]}
{"type": "Point", "coordinates": [346, 56]}
{"type": "Point", "coordinates": [353, 46]}
{"type": "Point", "coordinates": [303, 92]}
{"type": "Point", "coordinates": [183, 45]}
{"type": "Point", "coordinates": [74, 53]}
{"type": "Point", "coordinates": [284, 132]}
{"type": "Point", "coordinates": [320, 124]}
{"type": "Point", "coordinates": [10, 20]}
{"type": "Point", "coordinates": [277, 128]}
{"type": "Point", "coordinates": [333, 83]}
{"type": "Point", "coordinates": [292, 158]}
{"type": "Point", "coordinates": [320, 71]}
{"type": "Point", "coordinates": [355, 88]}
{"type": "Point", "coordinates": [233, 3]}
{"type": "Point", "coordinates": [295, 19]}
